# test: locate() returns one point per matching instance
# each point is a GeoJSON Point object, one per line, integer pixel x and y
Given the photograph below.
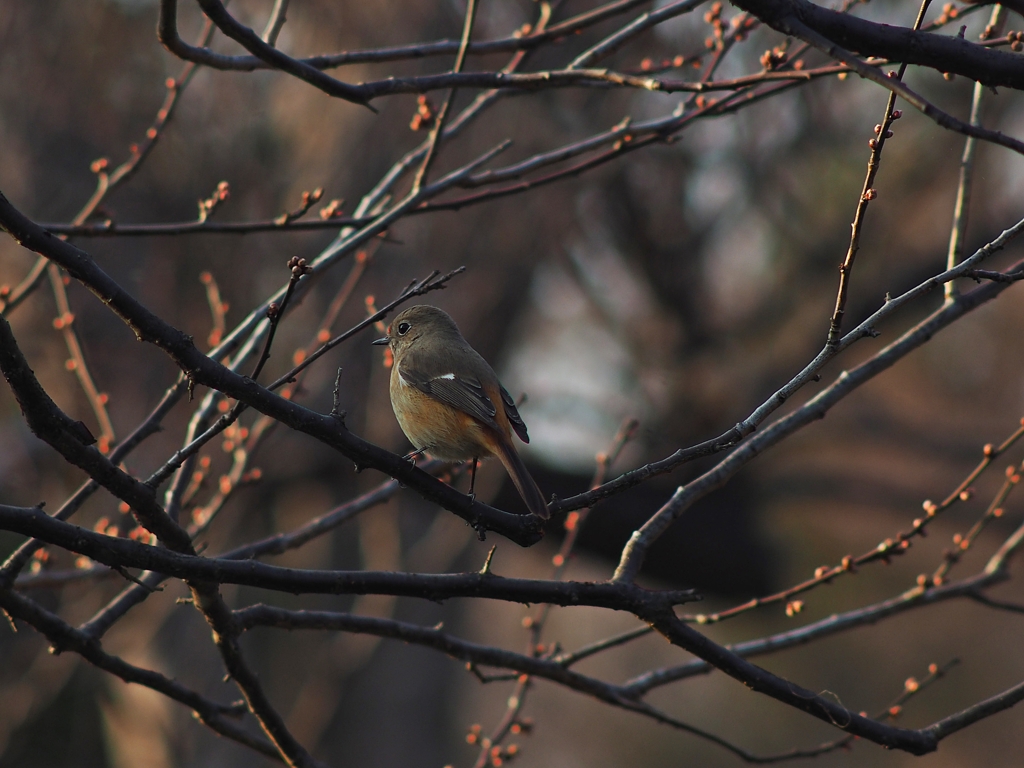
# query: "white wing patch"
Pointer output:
{"type": "Point", "coordinates": [449, 376]}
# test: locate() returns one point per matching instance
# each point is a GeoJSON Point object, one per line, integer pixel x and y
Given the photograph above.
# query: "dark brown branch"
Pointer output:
{"type": "Point", "coordinates": [252, 42]}
{"type": "Point", "coordinates": [168, 35]}
{"type": "Point", "coordinates": [50, 424]}
{"type": "Point", "coordinates": [912, 599]}
{"type": "Point", "coordinates": [473, 654]}
{"type": "Point", "coordinates": [114, 551]}
{"type": "Point", "coordinates": [438, 128]}
{"type": "Point", "coordinates": [917, 742]}
{"type": "Point", "coordinates": [867, 194]}
{"type": "Point", "coordinates": [72, 440]}
{"type": "Point", "coordinates": [894, 84]}
{"type": "Point", "coordinates": [999, 703]}
{"type": "Point", "coordinates": [935, 673]}
{"type": "Point", "coordinates": [64, 637]}
{"type": "Point", "coordinates": [523, 529]}
{"type": "Point", "coordinates": [997, 277]}
{"type": "Point", "coordinates": [574, 76]}
{"type": "Point", "coordinates": [272, 545]}
{"type": "Point", "coordinates": [270, 616]}
{"type": "Point", "coordinates": [114, 229]}
{"type": "Point", "coordinates": [431, 282]}
{"type": "Point", "coordinates": [1001, 605]}
{"type": "Point", "coordinates": [152, 424]}
{"type": "Point", "coordinates": [939, 52]}
{"type": "Point", "coordinates": [662, 128]}
{"type": "Point", "coordinates": [225, 636]}
{"type": "Point", "coordinates": [762, 681]}
{"type": "Point", "coordinates": [635, 550]}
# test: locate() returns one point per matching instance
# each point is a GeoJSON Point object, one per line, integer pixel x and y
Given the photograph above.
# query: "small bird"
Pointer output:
{"type": "Point", "coordinates": [449, 401]}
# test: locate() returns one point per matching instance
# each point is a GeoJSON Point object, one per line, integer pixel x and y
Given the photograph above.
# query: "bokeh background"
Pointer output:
{"type": "Point", "coordinates": [680, 285]}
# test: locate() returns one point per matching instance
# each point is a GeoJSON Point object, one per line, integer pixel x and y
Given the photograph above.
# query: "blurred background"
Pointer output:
{"type": "Point", "coordinates": [680, 285]}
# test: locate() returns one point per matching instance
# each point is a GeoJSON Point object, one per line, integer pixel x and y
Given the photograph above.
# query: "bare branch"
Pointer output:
{"type": "Point", "coordinates": [67, 638]}
{"type": "Point", "coordinates": [276, 22]}
{"type": "Point", "coordinates": [634, 552]}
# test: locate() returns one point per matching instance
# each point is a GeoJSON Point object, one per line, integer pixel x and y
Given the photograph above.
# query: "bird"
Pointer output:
{"type": "Point", "coordinates": [448, 399]}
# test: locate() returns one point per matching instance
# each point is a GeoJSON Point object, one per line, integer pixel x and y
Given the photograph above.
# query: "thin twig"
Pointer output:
{"type": "Point", "coordinates": [535, 624]}
{"type": "Point", "coordinates": [219, 717]}
{"type": "Point", "coordinates": [867, 329]}
{"type": "Point", "coordinates": [150, 426]}
{"type": "Point", "coordinates": [517, 43]}
{"type": "Point", "coordinates": [430, 283]}
{"type": "Point", "coordinates": [867, 194]}
{"type": "Point", "coordinates": [897, 545]}
{"type": "Point", "coordinates": [438, 128]}
{"type": "Point", "coordinates": [276, 22]}
{"type": "Point", "coordinates": [635, 550]}
{"type": "Point", "coordinates": [641, 24]}
{"type": "Point", "coordinates": [958, 231]}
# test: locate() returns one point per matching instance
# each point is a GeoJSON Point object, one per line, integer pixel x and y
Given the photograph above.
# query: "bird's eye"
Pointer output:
{"type": "Point", "coordinates": [403, 328]}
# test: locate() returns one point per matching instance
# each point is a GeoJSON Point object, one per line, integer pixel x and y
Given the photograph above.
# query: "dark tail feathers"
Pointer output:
{"type": "Point", "coordinates": [524, 483]}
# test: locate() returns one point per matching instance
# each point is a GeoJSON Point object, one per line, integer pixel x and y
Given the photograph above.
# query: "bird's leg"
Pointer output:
{"type": "Point", "coordinates": [472, 477]}
{"type": "Point", "coordinates": [418, 452]}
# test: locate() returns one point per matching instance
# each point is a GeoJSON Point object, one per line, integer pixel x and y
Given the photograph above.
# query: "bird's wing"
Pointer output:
{"type": "Point", "coordinates": [464, 393]}
{"type": "Point", "coordinates": [513, 415]}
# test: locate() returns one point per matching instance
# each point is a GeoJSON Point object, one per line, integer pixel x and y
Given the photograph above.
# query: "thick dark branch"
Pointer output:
{"type": "Point", "coordinates": [912, 599]}
{"type": "Point", "coordinates": [64, 637]}
{"type": "Point", "coordinates": [762, 681]}
{"type": "Point", "coordinates": [896, 86]}
{"type": "Point", "coordinates": [270, 616]}
{"type": "Point", "coordinates": [168, 35]}
{"type": "Point", "coordinates": [125, 553]}
{"type": "Point", "coordinates": [53, 426]}
{"type": "Point", "coordinates": [272, 545]}
{"type": "Point", "coordinates": [522, 529]}
{"type": "Point", "coordinates": [976, 712]}
{"type": "Point", "coordinates": [364, 92]}
{"type": "Point", "coordinates": [19, 559]}
{"type": "Point", "coordinates": [71, 440]}
{"type": "Point", "coordinates": [58, 430]}
{"type": "Point", "coordinates": [268, 54]}
{"type": "Point", "coordinates": [939, 52]}
{"type": "Point", "coordinates": [635, 550]}
{"type": "Point", "coordinates": [225, 636]}
{"type": "Point", "coordinates": [555, 671]}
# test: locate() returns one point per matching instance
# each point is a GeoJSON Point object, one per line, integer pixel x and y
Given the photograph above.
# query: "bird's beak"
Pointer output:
{"type": "Point", "coordinates": [381, 342]}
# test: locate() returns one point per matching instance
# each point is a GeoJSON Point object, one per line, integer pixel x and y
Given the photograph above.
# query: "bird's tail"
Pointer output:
{"type": "Point", "coordinates": [522, 479]}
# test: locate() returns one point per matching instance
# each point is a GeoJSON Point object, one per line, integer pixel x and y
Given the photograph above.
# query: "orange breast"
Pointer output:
{"type": "Point", "coordinates": [444, 432]}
